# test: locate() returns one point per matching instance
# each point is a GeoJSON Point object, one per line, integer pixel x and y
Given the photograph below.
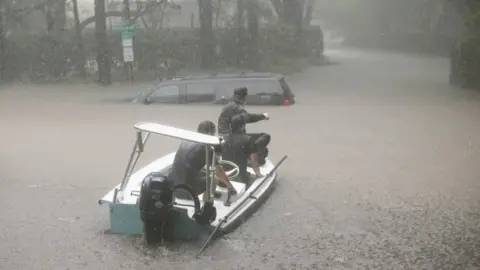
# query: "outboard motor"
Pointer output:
{"type": "Point", "coordinates": [156, 207]}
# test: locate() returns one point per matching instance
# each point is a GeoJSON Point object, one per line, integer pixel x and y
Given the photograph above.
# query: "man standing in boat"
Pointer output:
{"type": "Point", "coordinates": [190, 160]}
{"type": "Point", "coordinates": [231, 126]}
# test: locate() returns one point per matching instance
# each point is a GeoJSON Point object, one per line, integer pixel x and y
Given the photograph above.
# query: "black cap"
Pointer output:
{"type": "Point", "coordinates": [242, 92]}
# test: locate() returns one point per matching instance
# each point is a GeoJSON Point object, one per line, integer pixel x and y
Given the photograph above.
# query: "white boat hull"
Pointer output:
{"type": "Point", "coordinates": [125, 216]}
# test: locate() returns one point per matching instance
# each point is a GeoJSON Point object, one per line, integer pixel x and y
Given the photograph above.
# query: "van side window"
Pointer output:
{"type": "Point", "coordinates": [165, 94]}
{"type": "Point", "coordinates": [200, 92]}
{"type": "Point", "coordinates": [166, 91]}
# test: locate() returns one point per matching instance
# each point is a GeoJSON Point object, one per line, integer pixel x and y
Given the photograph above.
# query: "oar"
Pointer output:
{"type": "Point", "coordinates": [227, 216]}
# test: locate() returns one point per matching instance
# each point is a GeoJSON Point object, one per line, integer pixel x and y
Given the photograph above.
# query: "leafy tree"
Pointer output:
{"type": "Point", "coordinates": [295, 15]}
{"type": "Point", "coordinates": [465, 56]}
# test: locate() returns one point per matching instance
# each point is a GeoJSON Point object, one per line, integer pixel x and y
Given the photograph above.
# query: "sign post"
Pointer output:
{"type": "Point", "coordinates": [127, 46]}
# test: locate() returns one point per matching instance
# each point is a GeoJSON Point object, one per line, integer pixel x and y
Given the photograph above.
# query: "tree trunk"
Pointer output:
{"type": "Point", "coordinates": [206, 33]}
{"type": "Point", "coordinates": [49, 15]}
{"type": "Point", "coordinates": [192, 20]}
{"type": "Point", "coordinates": [307, 18]}
{"type": "Point", "coordinates": [59, 15]}
{"type": "Point", "coordinates": [80, 48]}
{"type": "Point", "coordinates": [278, 6]}
{"type": "Point", "coordinates": [240, 34]}
{"type": "Point", "coordinates": [161, 19]}
{"type": "Point", "coordinates": [253, 30]}
{"type": "Point", "coordinates": [218, 9]}
{"type": "Point", "coordinates": [103, 59]}
{"type": "Point", "coordinates": [293, 16]}
{"type": "Point", "coordinates": [3, 60]}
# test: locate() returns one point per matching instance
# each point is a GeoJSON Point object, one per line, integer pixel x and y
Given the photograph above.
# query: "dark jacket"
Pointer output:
{"type": "Point", "coordinates": [233, 118]}
{"type": "Point", "coordinates": [188, 162]}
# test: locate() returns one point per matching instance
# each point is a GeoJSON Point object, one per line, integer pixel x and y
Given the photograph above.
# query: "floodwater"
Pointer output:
{"type": "Point", "coordinates": [383, 173]}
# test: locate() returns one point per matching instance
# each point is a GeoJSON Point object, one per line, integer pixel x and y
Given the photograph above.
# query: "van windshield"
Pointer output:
{"type": "Point", "coordinates": [286, 89]}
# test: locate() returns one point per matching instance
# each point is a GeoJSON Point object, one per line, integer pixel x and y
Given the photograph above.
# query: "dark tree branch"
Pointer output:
{"type": "Point", "coordinates": [278, 5]}
{"type": "Point", "coordinates": [30, 8]}
{"type": "Point", "coordinates": [136, 14]}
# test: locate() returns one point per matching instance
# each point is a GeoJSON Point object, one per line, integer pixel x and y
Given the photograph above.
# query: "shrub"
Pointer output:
{"type": "Point", "coordinates": [52, 57]}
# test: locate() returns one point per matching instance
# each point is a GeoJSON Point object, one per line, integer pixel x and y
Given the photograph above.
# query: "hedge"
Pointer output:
{"type": "Point", "coordinates": [52, 57]}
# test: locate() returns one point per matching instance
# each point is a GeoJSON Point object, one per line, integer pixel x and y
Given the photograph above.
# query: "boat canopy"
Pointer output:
{"type": "Point", "coordinates": [177, 133]}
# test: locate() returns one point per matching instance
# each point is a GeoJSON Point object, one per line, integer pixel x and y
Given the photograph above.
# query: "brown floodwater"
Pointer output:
{"type": "Point", "coordinates": [383, 173]}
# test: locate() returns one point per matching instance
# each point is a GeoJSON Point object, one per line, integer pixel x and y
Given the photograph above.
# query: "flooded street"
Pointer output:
{"type": "Point", "coordinates": [383, 173]}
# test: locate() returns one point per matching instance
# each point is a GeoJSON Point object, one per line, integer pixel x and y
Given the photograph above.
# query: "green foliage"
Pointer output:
{"type": "Point", "coordinates": [465, 56]}
{"type": "Point", "coordinates": [40, 57]}
{"type": "Point", "coordinates": [159, 53]}
{"type": "Point", "coordinates": [472, 24]}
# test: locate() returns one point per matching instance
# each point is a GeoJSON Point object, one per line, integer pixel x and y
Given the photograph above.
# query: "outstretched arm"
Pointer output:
{"type": "Point", "coordinates": [253, 118]}
{"type": "Point", "coordinates": [247, 118]}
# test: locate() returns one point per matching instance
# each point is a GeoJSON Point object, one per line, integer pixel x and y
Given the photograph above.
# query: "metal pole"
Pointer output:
{"type": "Point", "coordinates": [130, 160]}
{"type": "Point", "coordinates": [250, 196]}
{"type": "Point", "coordinates": [208, 181]}
{"type": "Point", "coordinates": [128, 66]}
{"type": "Point", "coordinates": [213, 170]}
{"type": "Point", "coordinates": [135, 155]}
{"type": "Point", "coordinates": [138, 155]}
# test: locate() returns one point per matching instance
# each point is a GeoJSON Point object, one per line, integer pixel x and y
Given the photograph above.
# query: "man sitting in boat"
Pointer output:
{"type": "Point", "coordinates": [190, 160]}
{"type": "Point", "coordinates": [235, 111]}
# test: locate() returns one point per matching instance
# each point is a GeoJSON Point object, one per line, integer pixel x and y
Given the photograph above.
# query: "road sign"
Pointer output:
{"type": "Point", "coordinates": [127, 42]}
{"type": "Point", "coordinates": [127, 54]}
{"type": "Point", "coordinates": [127, 35]}
{"type": "Point", "coordinates": [126, 26]}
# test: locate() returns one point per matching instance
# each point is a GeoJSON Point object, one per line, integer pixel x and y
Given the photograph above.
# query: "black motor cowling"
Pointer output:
{"type": "Point", "coordinates": [156, 207]}
{"type": "Point", "coordinates": [156, 196]}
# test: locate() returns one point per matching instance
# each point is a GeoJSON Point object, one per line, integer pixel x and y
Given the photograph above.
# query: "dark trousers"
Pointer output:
{"type": "Point", "coordinates": [260, 140]}
{"type": "Point", "coordinates": [239, 147]}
